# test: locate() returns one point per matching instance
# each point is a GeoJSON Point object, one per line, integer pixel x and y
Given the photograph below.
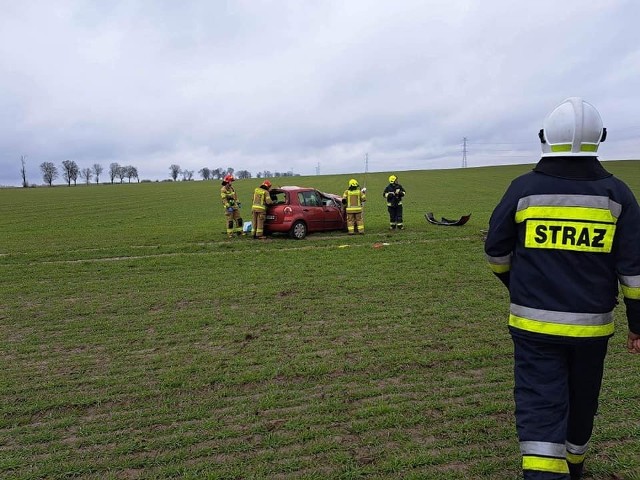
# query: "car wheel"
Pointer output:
{"type": "Point", "coordinates": [299, 230]}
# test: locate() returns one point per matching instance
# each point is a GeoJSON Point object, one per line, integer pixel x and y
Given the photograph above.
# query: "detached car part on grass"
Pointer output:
{"type": "Point", "coordinates": [298, 211]}
{"type": "Point", "coordinates": [446, 222]}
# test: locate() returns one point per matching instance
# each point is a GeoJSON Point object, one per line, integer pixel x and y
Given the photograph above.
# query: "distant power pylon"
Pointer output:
{"type": "Point", "coordinates": [464, 152]}
{"type": "Point", "coordinates": [318, 169]}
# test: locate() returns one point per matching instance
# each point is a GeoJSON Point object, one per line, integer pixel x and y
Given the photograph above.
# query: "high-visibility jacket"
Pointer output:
{"type": "Point", "coordinates": [261, 199]}
{"type": "Point", "coordinates": [229, 196]}
{"type": "Point", "coordinates": [394, 193]}
{"type": "Point", "coordinates": [561, 239]}
{"type": "Point", "coordinates": [354, 198]}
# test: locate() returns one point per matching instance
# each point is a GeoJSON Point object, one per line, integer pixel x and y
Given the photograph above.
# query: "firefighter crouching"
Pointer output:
{"type": "Point", "coordinates": [561, 239]}
{"type": "Point", "coordinates": [231, 207]}
{"type": "Point", "coordinates": [394, 193]}
{"type": "Point", "coordinates": [353, 198]}
{"type": "Point", "coordinates": [261, 198]}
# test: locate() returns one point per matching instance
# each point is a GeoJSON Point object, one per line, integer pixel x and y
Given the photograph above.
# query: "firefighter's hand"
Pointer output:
{"type": "Point", "coordinates": [633, 342]}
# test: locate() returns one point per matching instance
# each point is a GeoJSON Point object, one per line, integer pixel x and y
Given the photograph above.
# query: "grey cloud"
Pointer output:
{"type": "Point", "coordinates": [289, 85]}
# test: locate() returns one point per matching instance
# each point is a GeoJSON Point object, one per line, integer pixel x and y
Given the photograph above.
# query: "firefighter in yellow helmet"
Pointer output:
{"type": "Point", "coordinates": [353, 198]}
{"type": "Point", "coordinates": [261, 198]}
{"type": "Point", "coordinates": [394, 193]}
{"type": "Point", "coordinates": [231, 207]}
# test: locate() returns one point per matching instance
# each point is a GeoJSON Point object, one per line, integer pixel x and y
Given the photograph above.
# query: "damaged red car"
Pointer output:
{"type": "Point", "coordinates": [298, 211]}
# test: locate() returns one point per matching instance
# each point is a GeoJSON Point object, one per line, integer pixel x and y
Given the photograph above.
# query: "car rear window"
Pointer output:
{"type": "Point", "coordinates": [278, 198]}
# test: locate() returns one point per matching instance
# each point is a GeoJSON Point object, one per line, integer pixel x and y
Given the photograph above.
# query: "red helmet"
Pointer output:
{"type": "Point", "coordinates": [267, 183]}
{"type": "Point", "coordinates": [228, 178]}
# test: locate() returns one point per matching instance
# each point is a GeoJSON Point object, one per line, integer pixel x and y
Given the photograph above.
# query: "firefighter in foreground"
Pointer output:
{"type": "Point", "coordinates": [231, 207]}
{"type": "Point", "coordinates": [353, 198]}
{"type": "Point", "coordinates": [561, 239]}
{"type": "Point", "coordinates": [393, 194]}
{"type": "Point", "coordinates": [261, 198]}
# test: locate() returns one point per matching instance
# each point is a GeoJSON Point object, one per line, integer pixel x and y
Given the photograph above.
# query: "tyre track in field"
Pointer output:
{"type": "Point", "coordinates": [263, 246]}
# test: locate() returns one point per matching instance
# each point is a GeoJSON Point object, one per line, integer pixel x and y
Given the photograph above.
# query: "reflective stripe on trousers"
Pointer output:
{"type": "Point", "coordinates": [556, 394]}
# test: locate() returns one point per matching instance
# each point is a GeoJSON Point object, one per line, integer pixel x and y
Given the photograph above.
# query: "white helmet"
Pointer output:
{"type": "Point", "coordinates": [572, 129]}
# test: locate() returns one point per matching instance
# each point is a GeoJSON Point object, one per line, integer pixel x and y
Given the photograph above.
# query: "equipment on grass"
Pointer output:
{"type": "Point", "coordinates": [446, 222]}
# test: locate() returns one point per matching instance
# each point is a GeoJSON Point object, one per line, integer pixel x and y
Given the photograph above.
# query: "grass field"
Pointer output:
{"type": "Point", "coordinates": [137, 341]}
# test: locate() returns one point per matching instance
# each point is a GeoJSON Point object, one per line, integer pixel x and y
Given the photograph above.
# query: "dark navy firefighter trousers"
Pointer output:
{"type": "Point", "coordinates": [556, 395]}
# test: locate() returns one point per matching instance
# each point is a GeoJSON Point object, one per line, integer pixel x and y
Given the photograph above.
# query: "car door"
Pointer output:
{"type": "Point", "coordinates": [312, 209]}
{"type": "Point", "coordinates": [333, 219]}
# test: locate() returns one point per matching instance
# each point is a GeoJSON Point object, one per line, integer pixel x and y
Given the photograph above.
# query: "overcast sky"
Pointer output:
{"type": "Point", "coordinates": [306, 85]}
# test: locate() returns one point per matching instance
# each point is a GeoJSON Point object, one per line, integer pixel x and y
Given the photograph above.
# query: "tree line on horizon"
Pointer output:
{"type": "Point", "coordinates": [219, 173]}
{"type": "Point", "coordinates": [71, 172]}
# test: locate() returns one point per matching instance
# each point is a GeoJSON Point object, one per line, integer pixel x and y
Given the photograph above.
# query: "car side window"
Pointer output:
{"type": "Point", "coordinates": [309, 199]}
{"type": "Point", "coordinates": [327, 202]}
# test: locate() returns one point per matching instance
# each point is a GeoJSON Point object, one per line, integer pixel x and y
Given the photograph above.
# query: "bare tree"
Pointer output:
{"type": "Point", "coordinates": [218, 173]}
{"type": "Point", "coordinates": [244, 174]}
{"type": "Point", "coordinates": [49, 172]}
{"type": "Point", "coordinates": [97, 170]}
{"type": "Point", "coordinates": [113, 171]}
{"type": "Point", "coordinates": [205, 173]}
{"type": "Point", "coordinates": [131, 172]}
{"type": "Point", "coordinates": [175, 171]}
{"type": "Point", "coordinates": [187, 175]}
{"type": "Point", "coordinates": [121, 173]}
{"type": "Point", "coordinates": [23, 171]}
{"type": "Point", "coordinates": [70, 171]}
{"type": "Point", "coordinates": [86, 174]}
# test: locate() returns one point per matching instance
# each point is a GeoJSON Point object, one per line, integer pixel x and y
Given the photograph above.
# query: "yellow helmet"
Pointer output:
{"type": "Point", "coordinates": [392, 179]}
{"type": "Point", "coordinates": [353, 183]}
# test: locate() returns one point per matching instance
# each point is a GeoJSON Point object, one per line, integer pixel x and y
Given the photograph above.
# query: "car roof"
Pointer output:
{"type": "Point", "coordinates": [294, 187]}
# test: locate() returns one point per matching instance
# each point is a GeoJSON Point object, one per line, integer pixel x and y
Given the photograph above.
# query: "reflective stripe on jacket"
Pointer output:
{"type": "Point", "coordinates": [229, 196]}
{"type": "Point", "coordinates": [393, 193]}
{"type": "Point", "coordinates": [562, 244]}
{"type": "Point", "coordinates": [354, 200]}
{"type": "Point", "coordinates": [260, 200]}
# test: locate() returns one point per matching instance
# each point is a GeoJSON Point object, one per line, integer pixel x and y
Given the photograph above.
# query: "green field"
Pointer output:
{"type": "Point", "coordinates": [137, 341]}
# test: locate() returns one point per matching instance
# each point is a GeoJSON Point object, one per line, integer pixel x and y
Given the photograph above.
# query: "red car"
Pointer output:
{"type": "Point", "coordinates": [300, 210]}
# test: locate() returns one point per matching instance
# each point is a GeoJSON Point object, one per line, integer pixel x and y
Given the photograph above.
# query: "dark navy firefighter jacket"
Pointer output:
{"type": "Point", "coordinates": [561, 239]}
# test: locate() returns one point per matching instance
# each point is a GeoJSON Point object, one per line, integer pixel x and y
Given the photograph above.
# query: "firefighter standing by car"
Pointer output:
{"type": "Point", "coordinates": [353, 198]}
{"type": "Point", "coordinates": [561, 239]}
{"type": "Point", "coordinates": [261, 198]}
{"type": "Point", "coordinates": [394, 194]}
{"type": "Point", "coordinates": [231, 207]}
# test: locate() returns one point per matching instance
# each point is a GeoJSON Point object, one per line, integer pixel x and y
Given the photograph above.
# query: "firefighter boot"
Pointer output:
{"type": "Point", "coordinates": [575, 470]}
